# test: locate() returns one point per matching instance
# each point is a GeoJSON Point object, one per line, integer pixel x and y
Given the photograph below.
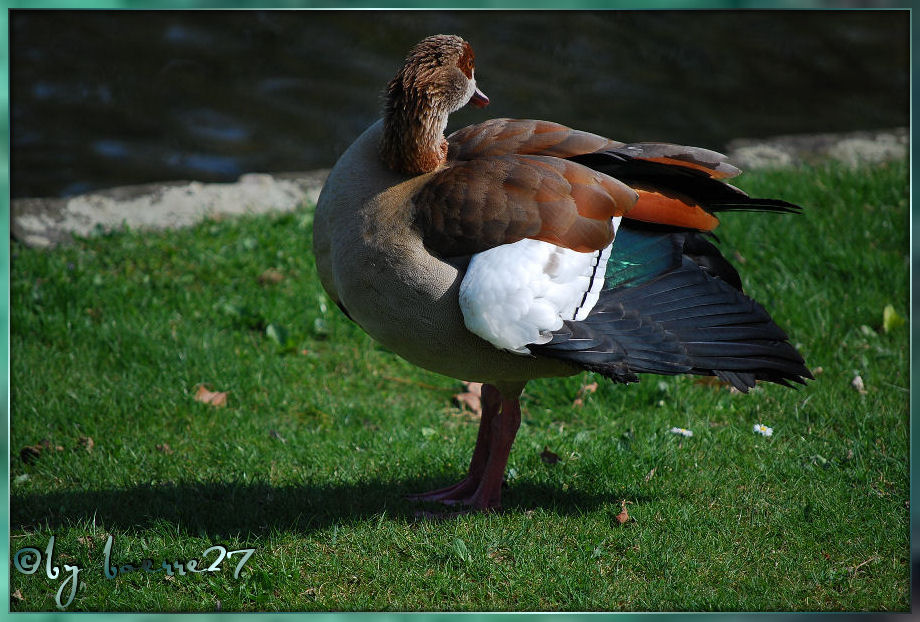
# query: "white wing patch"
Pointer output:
{"type": "Point", "coordinates": [518, 294]}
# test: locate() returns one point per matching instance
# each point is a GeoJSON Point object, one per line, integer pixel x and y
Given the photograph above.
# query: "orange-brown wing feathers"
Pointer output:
{"type": "Point", "coordinates": [710, 162]}
{"type": "Point", "coordinates": [663, 205]}
{"type": "Point", "coordinates": [678, 185]}
{"type": "Point", "coordinates": [670, 208]}
{"type": "Point", "coordinates": [498, 137]}
{"type": "Point", "coordinates": [479, 204]}
{"type": "Point", "coordinates": [533, 137]}
{"type": "Point", "coordinates": [675, 184]}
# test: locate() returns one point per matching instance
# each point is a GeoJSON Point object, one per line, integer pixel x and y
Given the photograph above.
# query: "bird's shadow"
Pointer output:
{"type": "Point", "coordinates": [246, 510]}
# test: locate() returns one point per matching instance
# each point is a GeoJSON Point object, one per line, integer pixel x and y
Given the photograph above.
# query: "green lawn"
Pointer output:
{"type": "Point", "coordinates": [324, 431]}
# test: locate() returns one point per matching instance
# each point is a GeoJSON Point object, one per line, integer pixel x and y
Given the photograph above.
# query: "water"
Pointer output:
{"type": "Point", "coordinates": [102, 98]}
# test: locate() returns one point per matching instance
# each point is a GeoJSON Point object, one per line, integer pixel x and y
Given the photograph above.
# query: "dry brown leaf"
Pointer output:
{"type": "Point", "coordinates": [275, 434]}
{"type": "Point", "coordinates": [310, 593]}
{"type": "Point", "coordinates": [30, 453]}
{"type": "Point", "coordinates": [651, 474]}
{"type": "Point", "coordinates": [623, 516]}
{"type": "Point", "coordinates": [469, 401]}
{"type": "Point", "coordinates": [270, 277]}
{"type": "Point", "coordinates": [473, 387]}
{"type": "Point", "coordinates": [46, 444]}
{"type": "Point", "coordinates": [739, 257]}
{"type": "Point", "coordinates": [471, 398]}
{"type": "Point", "coordinates": [549, 457]}
{"type": "Point", "coordinates": [17, 595]}
{"type": "Point", "coordinates": [585, 390]}
{"type": "Point", "coordinates": [86, 441]}
{"type": "Point", "coordinates": [164, 448]}
{"type": "Point", "coordinates": [214, 398]}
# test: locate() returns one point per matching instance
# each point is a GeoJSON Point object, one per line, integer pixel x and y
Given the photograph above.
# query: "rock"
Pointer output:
{"type": "Point", "coordinates": [52, 221]}
{"type": "Point", "coordinates": [852, 148]}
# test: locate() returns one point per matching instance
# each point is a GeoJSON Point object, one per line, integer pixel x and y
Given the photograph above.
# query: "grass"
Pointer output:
{"type": "Point", "coordinates": [324, 432]}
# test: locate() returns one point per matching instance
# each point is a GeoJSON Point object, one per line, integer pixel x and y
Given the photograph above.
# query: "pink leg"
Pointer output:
{"type": "Point", "coordinates": [481, 488]}
{"type": "Point", "coordinates": [491, 404]}
{"type": "Point", "coordinates": [504, 428]}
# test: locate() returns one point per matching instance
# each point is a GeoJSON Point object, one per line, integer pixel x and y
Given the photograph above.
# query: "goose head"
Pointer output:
{"type": "Point", "coordinates": [438, 78]}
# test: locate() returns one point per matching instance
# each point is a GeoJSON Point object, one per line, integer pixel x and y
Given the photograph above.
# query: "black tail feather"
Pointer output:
{"type": "Point", "coordinates": [712, 194]}
{"type": "Point", "coordinates": [682, 319]}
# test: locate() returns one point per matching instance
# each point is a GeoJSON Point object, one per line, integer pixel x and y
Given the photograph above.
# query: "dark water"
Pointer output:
{"type": "Point", "coordinates": [103, 98]}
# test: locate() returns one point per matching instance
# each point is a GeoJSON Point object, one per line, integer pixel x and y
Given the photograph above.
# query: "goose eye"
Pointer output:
{"type": "Point", "coordinates": [466, 61]}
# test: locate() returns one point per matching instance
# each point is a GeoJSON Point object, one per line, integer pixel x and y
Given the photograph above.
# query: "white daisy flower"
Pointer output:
{"type": "Point", "coordinates": [682, 431]}
{"type": "Point", "coordinates": [763, 430]}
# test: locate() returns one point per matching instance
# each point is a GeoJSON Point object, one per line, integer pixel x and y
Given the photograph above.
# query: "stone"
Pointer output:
{"type": "Point", "coordinates": [51, 221]}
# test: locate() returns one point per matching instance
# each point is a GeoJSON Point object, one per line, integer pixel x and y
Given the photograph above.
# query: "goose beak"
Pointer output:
{"type": "Point", "coordinates": [479, 99]}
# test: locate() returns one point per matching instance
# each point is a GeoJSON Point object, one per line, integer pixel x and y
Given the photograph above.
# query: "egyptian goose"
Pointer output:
{"type": "Point", "coordinates": [520, 249]}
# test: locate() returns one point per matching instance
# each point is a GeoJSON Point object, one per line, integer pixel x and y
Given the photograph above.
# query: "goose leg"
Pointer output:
{"type": "Point", "coordinates": [488, 494]}
{"type": "Point", "coordinates": [481, 488]}
{"type": "Point", "coordinates": [491, 404]}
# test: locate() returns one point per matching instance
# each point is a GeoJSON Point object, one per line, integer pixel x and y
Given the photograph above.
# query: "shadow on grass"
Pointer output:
{"type": "Point", "coordinates": [250, 509]}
